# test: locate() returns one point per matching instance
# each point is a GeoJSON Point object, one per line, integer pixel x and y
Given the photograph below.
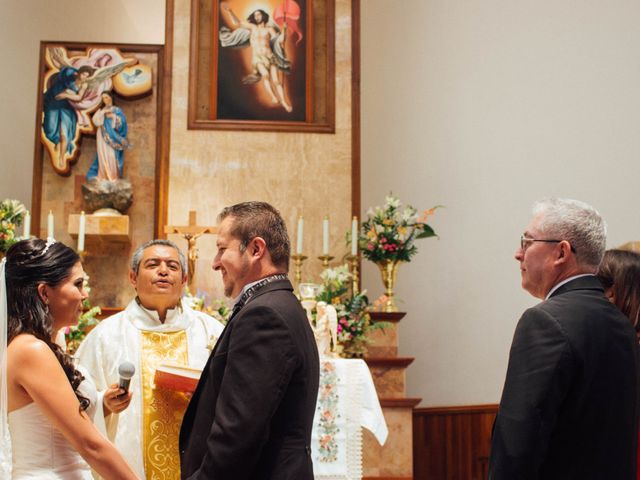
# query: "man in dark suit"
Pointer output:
{"type": "Point", "coordinates": [569, 407]}
{"type": "Point", "coordinates": [252, 412]}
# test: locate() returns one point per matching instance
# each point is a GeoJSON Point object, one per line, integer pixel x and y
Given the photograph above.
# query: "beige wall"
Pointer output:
{"type": "Point", "coordinates": [23, 24]}
{"type": "Point", "coordinates": [485, 107]}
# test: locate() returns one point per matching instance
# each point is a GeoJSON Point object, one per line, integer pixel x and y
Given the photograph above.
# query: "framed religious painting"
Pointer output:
{"type": "Point", "coordinates": [262, 65]}
{"type": "Point", "coordinates": [101, 155]}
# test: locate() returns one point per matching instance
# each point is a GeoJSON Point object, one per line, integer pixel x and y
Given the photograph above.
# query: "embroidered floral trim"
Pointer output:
{"type": "Point", "coordinates": [328, 408]}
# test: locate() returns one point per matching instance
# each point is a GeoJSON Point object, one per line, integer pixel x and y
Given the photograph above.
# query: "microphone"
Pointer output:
{"type": "Point", "coordinates": [126, 371]}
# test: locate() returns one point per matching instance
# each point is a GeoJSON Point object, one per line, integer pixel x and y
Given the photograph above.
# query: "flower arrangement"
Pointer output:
{"type": "Point", "coordinates": [217, 308]}
{"type": "Point", "coordinates": [74, 335]}
{"type": "Point", "coordinates": [354, 321]}
{"type": "Point", "coordinates": [389, 233]}
{"type": "Point", "coordinates": [11, 216]}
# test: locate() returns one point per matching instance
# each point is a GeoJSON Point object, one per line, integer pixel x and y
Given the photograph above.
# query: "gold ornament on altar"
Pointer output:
{"type": "Point", "coordinates": [389, 271]}
{"type": "Point", "coordinates": [388, 238]}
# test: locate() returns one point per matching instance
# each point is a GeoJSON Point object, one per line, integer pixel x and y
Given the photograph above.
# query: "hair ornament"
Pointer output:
{"type": "Point", "coordinates": [50, 241]}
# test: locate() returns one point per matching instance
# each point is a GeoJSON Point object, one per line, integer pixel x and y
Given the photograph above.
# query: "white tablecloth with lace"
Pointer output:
{"type": "Point", "coordinates": [347, 401]}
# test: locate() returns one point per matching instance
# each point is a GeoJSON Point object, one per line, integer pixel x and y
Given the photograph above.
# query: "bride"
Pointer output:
{"type": "Point", "coordinates": [46, 405]}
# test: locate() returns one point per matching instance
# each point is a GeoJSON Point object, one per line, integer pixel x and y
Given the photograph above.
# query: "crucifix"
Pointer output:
{"type": "Point", "coordinates": [190, 233]}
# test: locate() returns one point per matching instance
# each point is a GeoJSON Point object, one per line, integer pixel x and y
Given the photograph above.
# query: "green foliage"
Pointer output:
{"type": "Point", "coordinates": [216, 308]}
{"type": "Point", "coordinates": [354, 321]}
{"type": "Point", "coordinates": [11, 216]}
{"type": "Point", "coordinates": [390, 231]}
{"type": "Point", "coordinates": [74, 335]}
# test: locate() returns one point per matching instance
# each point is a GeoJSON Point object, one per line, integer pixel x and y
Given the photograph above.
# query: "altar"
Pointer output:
{"type": "Point", "coordinates": [347, 402]}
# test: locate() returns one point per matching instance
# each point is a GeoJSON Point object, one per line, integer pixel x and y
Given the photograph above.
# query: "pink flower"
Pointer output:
{"type": "Point", "coordinates": [67, 330]}
{"type": "Point", "coordinates": [327, 415]}
{"type": "Point", "coordinates": [328, 367]}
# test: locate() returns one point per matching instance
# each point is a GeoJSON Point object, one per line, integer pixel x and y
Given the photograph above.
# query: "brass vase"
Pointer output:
{"type": "Point", "coordinates": [389, 270]}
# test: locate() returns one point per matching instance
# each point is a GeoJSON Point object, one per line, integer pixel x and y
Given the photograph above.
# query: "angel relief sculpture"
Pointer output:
{"type": "Point", "coordinates": [326, 330]}
{"type": "Point", "coordinates": [73, 90]}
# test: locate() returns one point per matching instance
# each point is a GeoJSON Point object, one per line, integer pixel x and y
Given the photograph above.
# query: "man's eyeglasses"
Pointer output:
{"type": "Point", "coordinates": [525, 242]}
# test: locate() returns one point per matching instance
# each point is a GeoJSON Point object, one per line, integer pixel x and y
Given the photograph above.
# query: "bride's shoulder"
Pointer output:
{"type": "Point", "coordinates": [29, 348]}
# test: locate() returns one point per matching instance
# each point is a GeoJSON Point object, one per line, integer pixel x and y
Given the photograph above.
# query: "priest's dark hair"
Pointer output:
{"type": "Point", "coordinates": [252, 18]}
{"type": "Point", "coordinates": [619, 273]}
{"type": "Point", "coordinates": [259, 219]}
{"type": "Point", "coordinates": [31, 263]}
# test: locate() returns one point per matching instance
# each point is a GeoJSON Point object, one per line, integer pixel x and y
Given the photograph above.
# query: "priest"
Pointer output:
{"type": "Point", "coordinates": [156, 328]}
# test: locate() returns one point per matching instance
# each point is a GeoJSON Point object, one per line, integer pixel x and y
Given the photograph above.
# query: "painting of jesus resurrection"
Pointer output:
{"type": "Point", "coordinates": [261, 66]}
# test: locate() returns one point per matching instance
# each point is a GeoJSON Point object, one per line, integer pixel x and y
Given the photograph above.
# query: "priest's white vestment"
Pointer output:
{"type": "Point", "coordinates": [139, 430]}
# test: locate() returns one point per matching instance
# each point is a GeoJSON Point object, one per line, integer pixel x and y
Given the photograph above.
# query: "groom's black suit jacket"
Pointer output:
{"type": "Point", "coordinates": [569, 407]}
{"type": "Point", "coordinates": [252, 412]}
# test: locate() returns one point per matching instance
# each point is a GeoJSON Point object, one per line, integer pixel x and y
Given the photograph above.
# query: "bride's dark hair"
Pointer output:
{"type": "Point", "coordinates": [29, 264]}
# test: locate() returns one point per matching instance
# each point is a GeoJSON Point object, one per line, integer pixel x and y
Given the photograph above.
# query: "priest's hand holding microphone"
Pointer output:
{"type": "Point", "coordinates": [117, 397]}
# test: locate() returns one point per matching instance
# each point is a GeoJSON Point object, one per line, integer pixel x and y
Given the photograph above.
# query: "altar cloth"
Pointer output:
{"type": "Point", "coordinates": [347, 402]}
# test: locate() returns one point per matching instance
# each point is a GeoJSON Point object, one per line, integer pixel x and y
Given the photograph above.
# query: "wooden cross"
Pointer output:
{"type": "Point", "coordinates": [190, 233]}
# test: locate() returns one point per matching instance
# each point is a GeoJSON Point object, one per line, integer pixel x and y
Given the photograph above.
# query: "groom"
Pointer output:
{"type": "Point", "coordinates": [252, 412]}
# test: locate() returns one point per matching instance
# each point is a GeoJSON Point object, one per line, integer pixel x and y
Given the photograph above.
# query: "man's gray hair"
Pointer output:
{"type": "Point", "coordinates": [137, 255]}
{"type": "Point", "coordinates": [576, 222]}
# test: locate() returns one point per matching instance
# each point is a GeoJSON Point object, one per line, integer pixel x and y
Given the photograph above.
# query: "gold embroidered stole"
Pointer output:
{"type": "Point", "coordinates": [163, 409]}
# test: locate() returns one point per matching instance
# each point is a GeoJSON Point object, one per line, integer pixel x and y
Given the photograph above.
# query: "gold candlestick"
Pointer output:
{"type": "Point", "coordinates": [354, 262]}
{"type": "Point", "coordinates": [83, 255]}
{"type": "Point", "coordinates": [325, 260]}
{"type": "Point", "coordinates": [298, 259]}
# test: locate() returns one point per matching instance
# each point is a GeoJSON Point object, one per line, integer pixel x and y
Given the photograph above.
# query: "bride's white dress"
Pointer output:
{"type": "Point", "coordinates": [40, 451]}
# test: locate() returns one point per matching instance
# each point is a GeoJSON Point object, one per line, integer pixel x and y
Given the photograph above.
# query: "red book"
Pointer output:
{"type": "Point", "coordinates": [177, 377]}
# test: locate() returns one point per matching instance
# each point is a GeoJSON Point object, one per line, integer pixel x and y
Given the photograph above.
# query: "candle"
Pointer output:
{"type": "Point", "coordinates": [299, 240]}
{"type": "Point", "coordinates": [50, 225]}
{"type": "Point", "coordinates": [354, 236]}
{"type": "Point", "coordinates": [26, 233]}
{"type": "Point", "coordinates": [325, 236]}
{"type": "Point", "coordinates": [81, 229]}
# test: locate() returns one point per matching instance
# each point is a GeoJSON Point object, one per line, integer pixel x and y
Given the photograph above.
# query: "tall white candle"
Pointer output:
{"type": "Point", "coordinates": [299, 239]}
{"type": "Point", "coordinates": [325, 236]}
{"type": "Point", "coordinates": [26, 233]}
{"type": "Point", "coordinates": [354, 236]}
{"type": "Point", "coordinates": [81, 230]}
{"type": "Point", "coordinates": [50, 225]}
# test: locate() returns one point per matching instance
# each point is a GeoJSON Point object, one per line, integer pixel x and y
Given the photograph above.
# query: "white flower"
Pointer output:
{"type": "Point", "coordinates": [343, 273]}
{"type": "Point", "coordinates": [392, 201]}
{"type": "Point", "coordinates": [339, 274]}
{"type": "Point", "coordinates": [409, 215]}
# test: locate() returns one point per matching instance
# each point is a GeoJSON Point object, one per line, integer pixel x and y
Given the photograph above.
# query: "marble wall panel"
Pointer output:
{"type": "Point", "coordinates": [299, 173]}
{"type": "Point", "coordinates": [395, 457]}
